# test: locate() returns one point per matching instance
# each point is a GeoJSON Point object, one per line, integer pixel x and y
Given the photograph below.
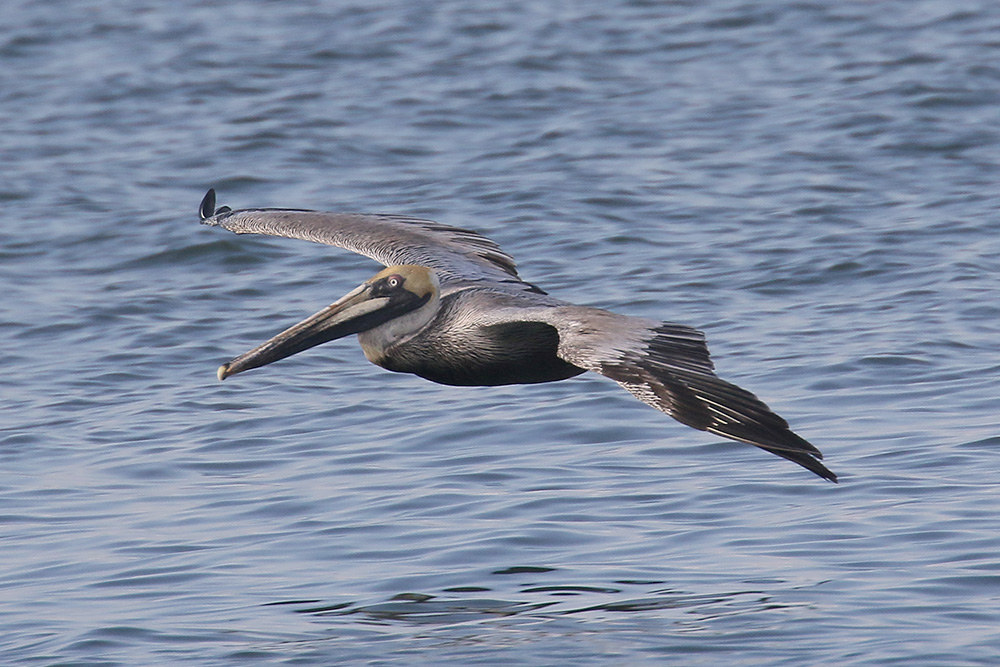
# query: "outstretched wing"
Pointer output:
{"type": "Point", "coordinates": [456, 254]}
{"type": "Point", "coordinates": [668, 367]}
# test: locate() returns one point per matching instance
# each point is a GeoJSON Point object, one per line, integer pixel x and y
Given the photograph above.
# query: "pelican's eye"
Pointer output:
{"type": "Point", "coordinates": [388, 286]}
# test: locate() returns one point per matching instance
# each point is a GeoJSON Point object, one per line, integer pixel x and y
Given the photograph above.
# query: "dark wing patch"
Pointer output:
{"type": "Point", "coordinates": [675, 374]}
{"type": "Point", "coordinates": [739, 415]}
{"type": "Point", "coordinates": [679, 347]}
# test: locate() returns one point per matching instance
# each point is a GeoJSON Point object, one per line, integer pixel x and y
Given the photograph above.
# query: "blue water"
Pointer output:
{"type": "Point", "coordinates": [813, 184]}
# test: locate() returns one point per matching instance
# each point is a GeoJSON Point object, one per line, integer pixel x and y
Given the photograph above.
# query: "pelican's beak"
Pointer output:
{"type": "Point", "coordinates": [355, 312]}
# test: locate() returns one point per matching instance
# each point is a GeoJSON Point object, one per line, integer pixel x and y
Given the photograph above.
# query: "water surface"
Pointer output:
{"type": "Point", "coordinates": [814, 185]}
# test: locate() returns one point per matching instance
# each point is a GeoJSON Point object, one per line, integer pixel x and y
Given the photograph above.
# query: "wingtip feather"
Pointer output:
{"type": "Point", "coordinates": [207, 208]}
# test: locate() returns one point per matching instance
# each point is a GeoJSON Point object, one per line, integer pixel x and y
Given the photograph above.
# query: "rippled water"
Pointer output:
{"type": "Point", "coordinates": [813, 184]}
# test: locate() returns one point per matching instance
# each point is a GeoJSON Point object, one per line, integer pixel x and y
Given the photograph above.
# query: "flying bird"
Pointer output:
{"type": "Point", "coordinates": [450, 307]}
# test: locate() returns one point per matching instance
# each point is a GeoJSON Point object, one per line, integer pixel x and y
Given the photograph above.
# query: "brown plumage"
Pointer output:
{"type": "Point", "coordinates": [450, 307]}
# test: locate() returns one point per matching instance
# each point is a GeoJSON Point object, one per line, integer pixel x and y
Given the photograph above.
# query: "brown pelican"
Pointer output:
{"type": "Point", "coordinates": [450, 307]}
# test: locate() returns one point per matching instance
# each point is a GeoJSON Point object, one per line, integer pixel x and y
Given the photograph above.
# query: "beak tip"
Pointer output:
{"type": "Point", "coordinates": [223, 372]}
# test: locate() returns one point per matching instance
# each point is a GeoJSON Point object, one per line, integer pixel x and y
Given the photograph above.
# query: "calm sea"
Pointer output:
{"type": "Point", "coordinates": [814, 184]}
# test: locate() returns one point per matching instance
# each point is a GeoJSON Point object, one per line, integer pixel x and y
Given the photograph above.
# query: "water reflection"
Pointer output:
{"type": "Point", "coordinates": [547, 602]}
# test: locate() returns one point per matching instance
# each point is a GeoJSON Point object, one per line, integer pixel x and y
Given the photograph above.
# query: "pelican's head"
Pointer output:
{"type": "Point", "coordinates": [403, 298]}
